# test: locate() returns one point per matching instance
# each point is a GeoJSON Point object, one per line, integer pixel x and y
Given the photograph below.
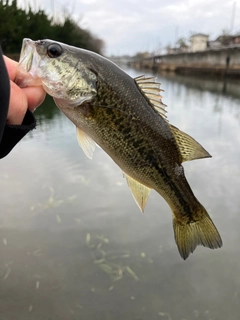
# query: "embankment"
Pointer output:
{"type": "Point", "coordinates": [223, 62]}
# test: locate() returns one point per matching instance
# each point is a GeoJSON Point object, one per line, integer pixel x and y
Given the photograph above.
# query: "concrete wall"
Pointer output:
{"type": "Point", "coordinates": [208, 58]}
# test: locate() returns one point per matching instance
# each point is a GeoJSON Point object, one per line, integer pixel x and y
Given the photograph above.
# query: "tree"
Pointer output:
{"type": "Point", "coordinates": [181, 43]}
{"type": "Point", "coordinates": [17, 24]}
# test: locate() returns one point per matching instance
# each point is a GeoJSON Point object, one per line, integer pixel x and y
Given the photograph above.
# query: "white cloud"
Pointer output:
{"type": "Point", "coordinates": [128, 26]}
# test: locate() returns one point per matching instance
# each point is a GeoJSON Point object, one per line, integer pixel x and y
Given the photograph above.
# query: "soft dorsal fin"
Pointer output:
{"type": "Point", "coordinates": [86, 143]}
{"type": "Point", "coordinates": [190, 149]}
{"type": "Point", "coordinates": [139, 191]}
{"type": "Point", "coordinates": [151, 90]}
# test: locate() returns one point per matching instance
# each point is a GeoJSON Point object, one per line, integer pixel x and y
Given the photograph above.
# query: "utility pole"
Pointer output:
{"type": "Point", "coordinates": [53, 10]}
{"type": "Point", "coordinates": [233, 17]}
{"type": "Point", "coordinates": [176, 36]}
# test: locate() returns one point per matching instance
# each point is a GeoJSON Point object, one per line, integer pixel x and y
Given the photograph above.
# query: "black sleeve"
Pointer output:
{"type": "Point", "coordinates": [4, 94]}
{"type": "Point", "coordinates": [10, 135]}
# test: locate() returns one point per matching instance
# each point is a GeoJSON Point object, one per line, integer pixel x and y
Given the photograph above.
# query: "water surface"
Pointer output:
{"type": "Point", "coordinates": [74, 245]}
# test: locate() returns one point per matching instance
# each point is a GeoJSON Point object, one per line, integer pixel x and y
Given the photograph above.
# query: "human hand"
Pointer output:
{"type": "Point", "coordinates": [21, 99]}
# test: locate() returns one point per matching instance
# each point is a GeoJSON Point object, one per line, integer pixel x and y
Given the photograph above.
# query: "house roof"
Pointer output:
{"type": "Point", "coordinates": [224, 36]}
{"type": "Point", "coordinates": [199, 35]}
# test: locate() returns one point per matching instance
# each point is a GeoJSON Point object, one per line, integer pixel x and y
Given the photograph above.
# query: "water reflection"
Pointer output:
{"type": "Point", "coordinates": [69, 226]}
{"type": "Point", "coordinates": [229, 87]}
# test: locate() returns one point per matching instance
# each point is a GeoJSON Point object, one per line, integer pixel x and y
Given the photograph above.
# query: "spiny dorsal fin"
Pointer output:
{"type": "Point", "coordinates": [86, 143]}
{"type": "Point", "coordinates": [151, 90]}
{"type": "Point", "coordinates": [139, 191]}
{"type": "Point", "coordinates": [189, 148]}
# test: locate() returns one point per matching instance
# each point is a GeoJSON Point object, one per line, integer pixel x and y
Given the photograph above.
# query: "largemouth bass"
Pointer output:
{"type": "Point", "coordinates": [127, 119]}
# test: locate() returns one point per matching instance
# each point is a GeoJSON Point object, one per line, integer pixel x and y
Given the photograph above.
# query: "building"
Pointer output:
{"type": "Point", "coordinates": [236, 38]}
{"type": "Point", "coordinates": [214, 44]}
{"type": "Point", "coordinates": [198, 42]}
{"type": "Point", "coordinates": [225, 40]}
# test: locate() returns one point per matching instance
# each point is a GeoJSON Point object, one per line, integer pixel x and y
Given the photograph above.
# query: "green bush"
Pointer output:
{"type": "Point", "coordinates": [16, 24]}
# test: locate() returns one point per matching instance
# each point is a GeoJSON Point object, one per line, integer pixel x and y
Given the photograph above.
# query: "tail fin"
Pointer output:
{"type": "Point", "coordinates": [190, 234]}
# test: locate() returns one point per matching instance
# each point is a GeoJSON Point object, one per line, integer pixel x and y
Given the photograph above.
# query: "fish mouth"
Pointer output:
{"type": "Point", "coordinates": [28, 64]}
{"type": "Point", "coordinates": [26, 55]}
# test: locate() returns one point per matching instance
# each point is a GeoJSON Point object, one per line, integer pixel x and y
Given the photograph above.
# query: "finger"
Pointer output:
{"type": "Point", "coordinates": [11, 67]}
{"type": "Point", "coordinates": [18, 105]}
{"type": "Point", "coordinates": [35, 96]}
{"type": "Point", "coordinates": [21, 100]}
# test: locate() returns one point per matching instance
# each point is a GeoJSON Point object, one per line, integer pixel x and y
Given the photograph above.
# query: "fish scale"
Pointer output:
{"type": "Point", "coordinates": [127, 119]}
{"type": "Point", "coordinates": [146, 168]}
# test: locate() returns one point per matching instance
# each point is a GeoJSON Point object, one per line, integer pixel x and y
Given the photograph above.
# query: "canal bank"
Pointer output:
{"type": "Point", "coordinates": [220, 63]}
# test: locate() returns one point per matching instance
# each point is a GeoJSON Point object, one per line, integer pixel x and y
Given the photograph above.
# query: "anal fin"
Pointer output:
{"type": "Point", "coordinates": [139, 191]}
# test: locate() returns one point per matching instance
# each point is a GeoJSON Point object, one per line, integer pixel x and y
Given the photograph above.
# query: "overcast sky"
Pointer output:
{"type": "Point", "coordinates": [130, 26]}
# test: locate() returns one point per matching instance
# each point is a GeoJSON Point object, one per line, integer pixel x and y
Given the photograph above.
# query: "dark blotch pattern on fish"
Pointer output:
{"type": "Point", "coordinates": [126, 118]}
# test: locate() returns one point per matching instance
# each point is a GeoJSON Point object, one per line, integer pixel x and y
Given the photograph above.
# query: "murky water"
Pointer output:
{"type": "Point", "coordinates": [73, 244]}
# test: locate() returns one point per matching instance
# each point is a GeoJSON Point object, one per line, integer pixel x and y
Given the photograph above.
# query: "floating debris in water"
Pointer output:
{"type": "Point", "coordinates": [100, 260]}
{"type": "Point", "coordinates": [111, 288]}
{"type": "Point", "coordinates": [85, 181]}
{"type": "Point", "coordinates": [7, 274]}
{"type": "Point", "coordinates": [133, 274]}
{"type": "Point", "coordinates": [37, 284]}
{"type": "Point", "coordinates": [98, 245]}
{"type": "Point", "coordinates": [106, 268]}
{"type": "Point", "coordinates": [196, 313]}
{"type": "Point", "coordinates": [161, 249]}
{"type": "Point", "coordinates": [30, 308]}
{"type": "Point", "coordinates": [88, 237]}
{"type": "Point", "coordinates": [5, 241]}
{"type": "Point", "coordinates": [37, 276]}
{"type": "Point", "coordinates": [122, 256]}
{"type": "Point", "coordinates": [165, 314]}
{"type": "Point", "coordinates": [143, 254]}
{"type": "Point", "coordinates": [120, 183]}
{"type": "Point", "coordinates": [104, 260]}
{"type": "Point", "coordinates": [33, 207]}
{"type": "Point", "coordinates": [77, 220]}
{"type": "Point", "coordinates": [35, 253]}
{"type": "Point", "coordinates": [71, 198]}
{"type": "Point", "coordinates": [52, 201]}
{"type": "Point", "coordinates": [58, 219]}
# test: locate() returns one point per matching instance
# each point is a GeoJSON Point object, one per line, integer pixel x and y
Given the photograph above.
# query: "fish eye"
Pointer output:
{"type": "Point", "coordinates": [54, 50]}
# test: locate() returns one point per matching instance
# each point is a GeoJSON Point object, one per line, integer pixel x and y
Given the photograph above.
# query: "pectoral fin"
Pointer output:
{"type": "Point", "coordinates": [139, 191]}
{"type": "Point", "coordinates": [86, 143]}
{"type": "Point", "coordinates": [189, 148]}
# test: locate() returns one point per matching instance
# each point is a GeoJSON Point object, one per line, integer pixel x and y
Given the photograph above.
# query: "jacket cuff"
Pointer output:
{"type": "Point", "coordinates": [14, 133]}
